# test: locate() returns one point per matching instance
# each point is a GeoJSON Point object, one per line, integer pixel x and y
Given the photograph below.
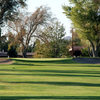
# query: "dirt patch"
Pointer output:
{"type": "Point", "coordinates": [5, 61]}
{"type": "Point", "coordinates": [87, 60]}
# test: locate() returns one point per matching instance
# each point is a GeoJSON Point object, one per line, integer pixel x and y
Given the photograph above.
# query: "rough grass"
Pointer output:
{"type": "Point", "coordinates": [49, 79]}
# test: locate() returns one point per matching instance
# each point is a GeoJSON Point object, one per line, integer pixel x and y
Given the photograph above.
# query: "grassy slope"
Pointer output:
{"type": "Point", "coordinates": [45, 79]}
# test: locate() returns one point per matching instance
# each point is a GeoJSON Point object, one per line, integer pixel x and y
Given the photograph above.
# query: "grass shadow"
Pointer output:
{"type": "Point", "coordinates": [63, 61]}
{"type": "Point", "coordinates": [52, 75]}
{"type": "Point", "coordinates": [54, 71]}
{"type": "Point", "coordinates": [26, 64]}
{"type": "Point", "coordinates": [56, 83]}
{"type": "Point", "coordinates": [50, 97]}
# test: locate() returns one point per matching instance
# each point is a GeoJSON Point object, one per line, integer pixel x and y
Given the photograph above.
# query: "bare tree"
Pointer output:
{"type": "Point", "coordinates": [53, 31]}
{"type": "Point", "coordinates": [26, 27]}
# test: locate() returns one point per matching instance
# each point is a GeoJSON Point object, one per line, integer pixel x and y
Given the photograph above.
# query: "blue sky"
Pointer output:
{"type": "Point", "coordinates": [56, 9]}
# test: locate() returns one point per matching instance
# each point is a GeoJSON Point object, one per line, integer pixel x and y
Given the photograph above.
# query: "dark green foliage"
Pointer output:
{"type": "Point", "coordinates": [12, 45]}
{"type": "Point", "coordinates": [52, 49]}
{"type": "Point", "coordinates": [3, 42]}
{"type": "Point", "coordinates": [77, 42]}
{"type": "Point", "coordinates": [50, 97]}
{"type": "Point", "coordinates": [4, 46]}
{"type": "Point", "coordinates": [99, 52]}
{"type": "Point", "coordinates": [59, 49]}
{"type": "Point", "coordinates": [12, 51]}
{"type": "Point", "coordinates": [85, 52]}
{"type": "Point", "coordinates": [9, 9]}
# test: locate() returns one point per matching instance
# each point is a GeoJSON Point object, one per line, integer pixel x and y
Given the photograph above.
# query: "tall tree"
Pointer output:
{"type": "Point", "coordinates": [52, 42]}
{"type": "Point", "coordinates": [9, 11]}
{"type": "Point", "coordinates": [3, 42]}
{"type": "Point", "coordinates": [85, 15]}
{"type": "Point", "coordinates": [27, 26]}
{"type": "Point", "coordinates": [9, 8]}
{"type": "Point", "coordinates": [12, 45]}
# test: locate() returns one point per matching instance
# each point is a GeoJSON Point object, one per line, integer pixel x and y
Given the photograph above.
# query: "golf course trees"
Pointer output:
{"type": "Point", "coordinates": [26, 27]}
{"type": "Point", "coordinates": [52, 43]}
{"type": "Point", "coordinates": [85, 15]}
{"type": "Point", "coordinates": [3, 42]}
{"type": "Point", "coordinates": [9, 8]}
{"type": "Point", "coordinates": [9, 11]}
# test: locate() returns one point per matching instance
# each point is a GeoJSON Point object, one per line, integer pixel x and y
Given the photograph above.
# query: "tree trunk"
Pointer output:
{"type": "Point", "coordinates": [24, 52]}
{"type": "Point", "coordinates": [0, 39]}
{"type": "Point", "coordinates": [95, 49]}
{"type": "Point", "coordinates": [24, 55]}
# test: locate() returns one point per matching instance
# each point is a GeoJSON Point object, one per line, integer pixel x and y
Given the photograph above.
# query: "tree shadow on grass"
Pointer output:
{"type": "Point", "coordinates": [52, 75]}
{"type": "Point", "coordinates": [26, 64]}
{"type": "Point", "coordinates": [23, 64]}
{"type": "Point", "coordinates": [50, 97]}
{"type": "Point", "coordinates": [58, 65]}
{"type": "Point", "coordinates": [86, 65]}
{"type": "Point", "coordinates": [53, 71]}
{"type": "Point", "coordinates": [56, 83]}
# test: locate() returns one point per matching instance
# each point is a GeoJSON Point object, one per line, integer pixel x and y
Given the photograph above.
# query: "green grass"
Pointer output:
{"type": "Point", "coordinates": [49, 79]}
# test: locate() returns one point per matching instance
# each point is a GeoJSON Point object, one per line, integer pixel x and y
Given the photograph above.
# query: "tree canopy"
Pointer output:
{"type": "Point", "coordinates": [26, 27]}
{"type": "Point", "coordinates": [85, 16]}
{"type": "Point", "coordinates": [9, 8]}
{"type": "Point", "coordinates": [51, 42]}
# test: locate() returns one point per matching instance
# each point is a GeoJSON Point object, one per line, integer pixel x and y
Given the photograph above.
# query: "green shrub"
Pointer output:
{"type": "Point", "coordinates": [85, 52]}
{"type": "Point", "coordinates": [12, 51]}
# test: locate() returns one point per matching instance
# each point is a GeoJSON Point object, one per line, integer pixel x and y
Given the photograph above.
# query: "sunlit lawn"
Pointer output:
{"type": "Point", "coordinates": [49, 79]}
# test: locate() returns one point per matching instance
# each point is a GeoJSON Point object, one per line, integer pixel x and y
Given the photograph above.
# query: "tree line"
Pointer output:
{"type": "Point", "coordinates": [36, 32]}
{"type": "Point", "coordinates": [44, 35]}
